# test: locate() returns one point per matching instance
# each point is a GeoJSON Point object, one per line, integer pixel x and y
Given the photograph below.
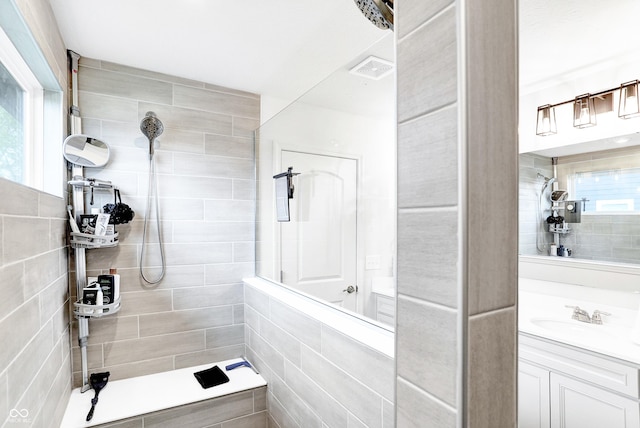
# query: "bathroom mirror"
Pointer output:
{"type": "Point", "coordinates": [83, 150]}
{"type": "Point", "coordinates": [554, 68]}
{"type": "Point", "coordinates": [339, 140]}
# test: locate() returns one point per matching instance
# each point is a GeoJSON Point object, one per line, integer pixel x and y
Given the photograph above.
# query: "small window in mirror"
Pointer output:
{"type": "Point", "coordinates": [612, 191]}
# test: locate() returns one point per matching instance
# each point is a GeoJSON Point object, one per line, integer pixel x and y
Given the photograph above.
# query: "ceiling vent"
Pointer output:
{"type": "Point", "coordinates": [373, 68]}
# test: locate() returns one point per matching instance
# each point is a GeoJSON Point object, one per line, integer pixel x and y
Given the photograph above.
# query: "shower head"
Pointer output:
{"type": "Point", "coordinates": [546, 179]}
{"type": "Point", "coordinates": [152, 128]}
{"type": "Point", "coordinates": [379, 12]}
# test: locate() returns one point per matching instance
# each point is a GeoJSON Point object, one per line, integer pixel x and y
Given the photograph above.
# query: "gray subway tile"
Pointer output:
{"type": "Point", "coordinates": [229, 210]}
{"type": "Point", "coordinates": [195, 187]}
{"type": "Point", "coordinates": [11, 288]}
{"type": "Point", "coordinates": [213, 166]}
{"type": "Point", "coordinates": [124, 85]}
{"type": "Point", "coordinates": [228, 273]}
{"type": "Point", "coordinates": [256, 300]}
{"type": "Point", "coordinates": [427, 336]}
{"type": "Point", "coordinates": [491, 359]}
{"type": "Point", "coordinates": [222, 145]}
{"type": "Point", "coordinates": [301, 411]}
{"type": "Point", "coordinates": [199, 253]}
{"type": "Point", "coordinates": [144, 302]}
{"type": "Point", "coordinates": [328, 408]}
{"type": "Point", "coordinates": [28, 363]}
{"type": "Point", "coordinates": [184, 320]}
{"type": "Point", "coordinates": [188, 119]}
{"type": "Point", "coordinates": [427, 67]}
{"type": "Point", "coordinates": [23, 237]}
{"type": "Point", "coordinates": [428, 255]}
{"type": "Point", "coordinates": [428, 160]}
{"type": "Point", "coordinates": [209, 356]}
{"type": "Point", "coordinates": [24, 200]}
{"type": "Point", "coordinates": [353, 395]}
{"type": "Point", "coordinates": [297, 324]}
{"type": "Point", "coordinates": [17, 329]}
{"type": "Point", "coordinates": [126, 351]}
{"type": "Point", "coordinates": [416, 409]}
{"type": "Point", "coordinates": [267, 353]}
{"type": "Point", "coordinates": [204, 413]}
{"type": "Point", "coordinates": [217, 102]}
{"type": "Point", "coordinates": [413, 13]}
{"type": "Point", "coordinates": [256, 420]}
{"type": "Point", "coordinates": [108, 108]}
{"type": "Point", "coordinates": [362, 362]}
{"type": "Point", "coordinates": [200, 297]}
{"type": "Point", "coordinates": [40, 272]}
{"type": "Point", "coordinates": [225, 336]}
{"type": "Point", "coordinates": [288, 345]}
{"type": "Point", "coordinates": [205, 231]}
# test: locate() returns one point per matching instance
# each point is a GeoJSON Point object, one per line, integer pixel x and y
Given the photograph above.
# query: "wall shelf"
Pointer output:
{"type": "Point", "coordinates": [89, 241]}
{"type": "Point", "coordinates": [95, 311]}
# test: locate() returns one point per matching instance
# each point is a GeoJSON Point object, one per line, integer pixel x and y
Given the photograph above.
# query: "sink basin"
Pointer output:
{"type": "Point", "coordinates": [573, 327]}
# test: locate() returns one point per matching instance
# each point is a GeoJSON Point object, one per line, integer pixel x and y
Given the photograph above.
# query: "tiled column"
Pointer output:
{"type": "Point", "coordinates": [457, 213]}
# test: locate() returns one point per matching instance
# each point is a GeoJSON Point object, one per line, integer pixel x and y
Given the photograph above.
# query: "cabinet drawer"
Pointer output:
{"type": "Point", "coordinates": [604, 372]}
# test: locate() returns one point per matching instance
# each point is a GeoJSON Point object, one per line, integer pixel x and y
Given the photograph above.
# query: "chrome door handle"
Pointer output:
{"type": "Point", "coordinates": [350, 289]}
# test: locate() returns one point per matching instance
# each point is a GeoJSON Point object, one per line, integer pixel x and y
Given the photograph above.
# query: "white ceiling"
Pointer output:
{"type": "Point", "coordinates": [277, 47]}
{"type": "Point", "coordinates": [282, 48]}
{"type": "Point", "coordinates": [557, 38]}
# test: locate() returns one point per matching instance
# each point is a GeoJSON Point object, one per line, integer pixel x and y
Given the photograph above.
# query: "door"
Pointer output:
{"type": "Point", "coordinates": [318, 245]}
{"type": "Point", "coordinates": [578, 405]}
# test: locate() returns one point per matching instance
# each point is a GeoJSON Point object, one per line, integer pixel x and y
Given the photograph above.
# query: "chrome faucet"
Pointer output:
{"type": "Point", "coordinates": [596, 318]}
{"type": "Point", "coordinates": [580, 314]}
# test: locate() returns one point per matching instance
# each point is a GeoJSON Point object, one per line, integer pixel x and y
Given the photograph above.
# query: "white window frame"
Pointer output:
{"type": "Point", "coordinates": [33, 111]}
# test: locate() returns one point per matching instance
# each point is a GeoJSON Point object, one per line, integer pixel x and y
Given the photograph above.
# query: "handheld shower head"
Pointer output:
{"type": "Point", "coordinates": [379, 12]}
{"type": "Point", "coordinates": [152, 128]}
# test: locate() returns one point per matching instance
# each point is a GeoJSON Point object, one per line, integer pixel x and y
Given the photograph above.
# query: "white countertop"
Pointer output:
{"type": "Point", "coordinates": [541, 307]}
{"type": "Point", "coordinates": [126, 398]}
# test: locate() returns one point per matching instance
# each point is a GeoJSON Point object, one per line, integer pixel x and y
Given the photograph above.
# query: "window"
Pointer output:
{"type": "Point", "coordinates": [31, 100]}
{"type": "Point", "coordinates": [21, 118]}
{"type": "Point", "coordinates": [608, 191]}
{"type": "Point", "coordinates": [12, 156]}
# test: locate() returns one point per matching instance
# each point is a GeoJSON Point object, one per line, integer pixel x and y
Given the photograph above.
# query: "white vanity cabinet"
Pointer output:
{"type": "Point", "coordinates": [561, 386]}
{"type": "Point", "coordinates": [385, 309]}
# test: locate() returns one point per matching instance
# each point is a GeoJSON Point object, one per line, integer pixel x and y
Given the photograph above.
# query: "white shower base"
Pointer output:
{"type": "Point", "coordinates": [127, 398]}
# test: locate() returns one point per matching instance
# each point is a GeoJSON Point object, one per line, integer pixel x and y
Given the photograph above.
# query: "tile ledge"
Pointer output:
{"type": "Point", "coordinates": [127, 398]}
{"type": "Point", "coordinates": [369, 333]}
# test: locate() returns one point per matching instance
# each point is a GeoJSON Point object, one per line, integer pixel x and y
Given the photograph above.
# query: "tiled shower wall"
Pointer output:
{"type": "Point", "coordinates": [612, 238]}
{"type": "Point", "coordinates": [457, 177]}
{"type": "Point", "coordinates": [34, 318]}
{"type": "Point", "coordinates": [206, 185]}
{"type": "Point", "coordinates": [317, 376]}
{"type": "Point", "coordinates": [34, 321]}
{"type": "Point", "coordinates": [529, 191]}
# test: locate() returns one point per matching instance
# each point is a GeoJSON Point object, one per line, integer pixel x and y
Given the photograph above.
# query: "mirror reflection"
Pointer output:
{"type": "Point", "coordinates": [83, 150]}
{"type": "Point", "coordinates": [579, 237]}
{"type": "Point", "coordinates": [339, 242]}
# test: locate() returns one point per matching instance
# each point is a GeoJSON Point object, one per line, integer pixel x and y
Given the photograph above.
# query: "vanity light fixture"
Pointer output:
{"type": "Point", "coordinates": [546, 123]}
{"type": "Point", "coordinates": [584, 110]}
{"type": "Point", "coordinates": [629, 105]}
